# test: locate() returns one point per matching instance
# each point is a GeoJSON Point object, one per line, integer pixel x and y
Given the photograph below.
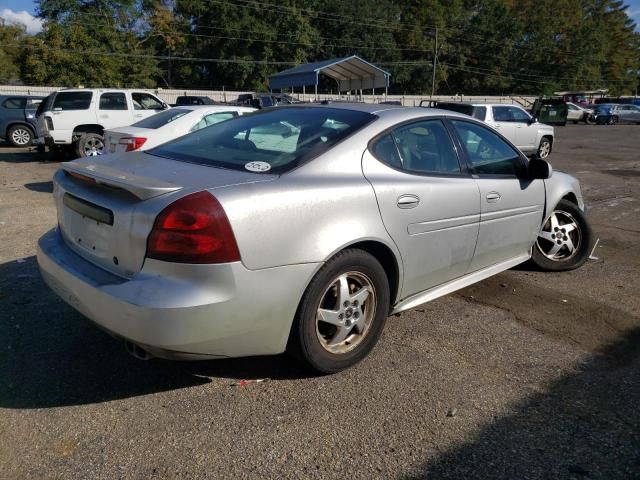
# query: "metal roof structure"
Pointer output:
{"type": "Point", "coordinates": [350, 73]}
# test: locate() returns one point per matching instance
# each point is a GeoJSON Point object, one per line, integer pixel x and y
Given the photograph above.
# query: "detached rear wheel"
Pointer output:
{"type": "Point", "coordinates": [342, 313]}
{"type": "Point", "coordinates": [564, 240]}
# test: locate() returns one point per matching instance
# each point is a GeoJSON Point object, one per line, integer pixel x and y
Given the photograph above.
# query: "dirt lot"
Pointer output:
{"type": "Point", "coordinates": [527, 375]}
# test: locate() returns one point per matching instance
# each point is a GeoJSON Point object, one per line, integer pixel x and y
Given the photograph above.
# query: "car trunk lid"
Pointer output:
{"type": "Point", "coordinates": [107, 205]}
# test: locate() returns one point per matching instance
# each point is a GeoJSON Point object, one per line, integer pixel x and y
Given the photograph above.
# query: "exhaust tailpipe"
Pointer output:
{"type": "Point", "coordinates": [137, 351]}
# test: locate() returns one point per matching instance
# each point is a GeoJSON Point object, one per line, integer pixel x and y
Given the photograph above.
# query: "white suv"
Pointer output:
{"type": "Point", "coordinates": [79, 117]}
{"type": "Point", "coordinates": [513, 122]}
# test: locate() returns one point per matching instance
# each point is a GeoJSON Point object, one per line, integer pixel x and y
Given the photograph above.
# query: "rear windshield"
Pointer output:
{"type": "Point", "coordinates": [72, 101]}
{"type": "Point", "coordinates": [273, 141]}
{"type": "Point", "coordinates": [161, 119]}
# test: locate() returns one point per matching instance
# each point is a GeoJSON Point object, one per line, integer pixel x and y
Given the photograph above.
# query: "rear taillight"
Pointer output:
{"type": "Point", "coordinates": [132, 143]}
{"type": "Point", "coordinates": [49, 123]}
{"type": "Point", "coordinates": [194, 229]}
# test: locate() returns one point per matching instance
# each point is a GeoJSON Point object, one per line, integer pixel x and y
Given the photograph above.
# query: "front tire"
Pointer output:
{"type": "Point", "coordinates": [20, 136]}
{"type": "Point", "coordinates": [544, 149]}
{"type": "Point", "coordinates": [565, 239]}
{"type": "Point", "coordinates": [90, 145]}
{"type": "Point", "coordinates": [342, 313]}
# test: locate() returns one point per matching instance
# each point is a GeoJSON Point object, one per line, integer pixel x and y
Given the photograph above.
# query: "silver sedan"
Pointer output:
{"type": "Point", "coordinates": [301, 229]}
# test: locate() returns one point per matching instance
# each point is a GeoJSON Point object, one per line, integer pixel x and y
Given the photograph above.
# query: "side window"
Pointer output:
{"type": "Point", "coordinates": [501, 114]}
{"type": "Point", "coordinates": [212, 119]}
{"type": "Point", "coordinates": [386, 151]}
{"type": "Point", "coordinates": [72, 101]}
{"type": "Point", "coordinates": [518, 115]}
{"type": "Point", "coordinates": [487, 152]}
{"type": "Point", "coordinates": [425, 147]}
{"type": "Point", "coordinates": [480, 113]}
{"type": "Point", "coordinates": [145, 101]}
{"type": "Point", "coordinates": [34, 102]}
{"type": "Point", "coordinates": [15, 103]}
{"type": "Point", "coordinates": [113, 101]}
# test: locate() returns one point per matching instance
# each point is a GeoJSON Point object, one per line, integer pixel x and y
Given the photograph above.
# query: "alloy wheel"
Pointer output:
{"type": "Point", "coordinates": [21, 136]}
{"type": "Point", "coordinates": [345, 313]}
{"type": "Point", "coordinates": [560, 237]}
{"type": "Point", "coordinates": [93, 147]}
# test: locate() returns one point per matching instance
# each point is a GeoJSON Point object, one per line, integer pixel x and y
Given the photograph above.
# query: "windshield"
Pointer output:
{"type": "Point", "coordinates": [161, 119]}
{"type": "Point", "coordinates": [273, 141]}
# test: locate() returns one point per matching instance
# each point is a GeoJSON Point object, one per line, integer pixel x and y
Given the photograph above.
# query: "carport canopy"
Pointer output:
{"type": "Point", "coordinates": [350, 73]}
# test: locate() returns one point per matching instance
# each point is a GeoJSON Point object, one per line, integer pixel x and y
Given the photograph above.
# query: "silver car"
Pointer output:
{"type": "Point", "coordinates": [301, 229]}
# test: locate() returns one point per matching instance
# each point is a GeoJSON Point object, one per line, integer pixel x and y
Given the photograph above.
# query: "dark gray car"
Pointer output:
{"type": "Point", "coordinates": [17, 118]}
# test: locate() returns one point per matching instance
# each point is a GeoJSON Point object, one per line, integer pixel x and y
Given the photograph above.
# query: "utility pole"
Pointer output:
{"type": "Point", "coordinates": [435, 59]}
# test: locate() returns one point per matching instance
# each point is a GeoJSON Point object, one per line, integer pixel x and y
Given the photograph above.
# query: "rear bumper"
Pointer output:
{"type": "Point", "coordinates": [178, 310]}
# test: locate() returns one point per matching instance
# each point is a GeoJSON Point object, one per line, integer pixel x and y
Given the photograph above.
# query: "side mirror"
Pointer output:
{"type": "Point", "coordinates": [533, 120]}
{"type": "Point", "coordinates": [165, 106]}
{"type": "Point", "coordinates": [539, 169]}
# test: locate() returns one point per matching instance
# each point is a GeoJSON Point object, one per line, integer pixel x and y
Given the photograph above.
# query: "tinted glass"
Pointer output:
{"type": "Point", "coordinates": [161, 119]}
{"type": "Point", "coordinates": [480, 113]}
{"type": "Point", "coordinates": [15, 103]}
{"type": "Point", "coordinates": [518, 115]}
{"type": "Point", "coordinates": [144, 101]}
{"type": "Point", "coordinates": [113, 101]}
{"type": "Point", "coordinates": [488, 153]}
{"type": "Point", "coordinates": [501, 114]}
{"type": "Point", "coordinates": [282, 138]}
{"type": "Point", "coordinates": [34, 102]}
{"type": "Point", "coordinates": [457, 107]}
{"type": "Point", "coordinates": [385, 150]}
{"type": "Point", "coordinates": [425, 147]}
{"type": "Point", "coordinates": [72, 100]}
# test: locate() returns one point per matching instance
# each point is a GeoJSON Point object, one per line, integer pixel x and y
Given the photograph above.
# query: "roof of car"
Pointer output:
{"type": "Point", "coordinates": [382, 110]}
{"type": "Point", "coordinates": [221, 108]}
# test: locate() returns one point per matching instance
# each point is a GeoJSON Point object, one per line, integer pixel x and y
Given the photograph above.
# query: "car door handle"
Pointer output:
{"type": "Point", "coordinates": [408, 201]}
{"type": "Point", "coordinates": [493, 197]}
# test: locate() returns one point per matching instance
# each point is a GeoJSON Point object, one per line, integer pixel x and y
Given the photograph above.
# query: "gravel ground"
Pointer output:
{"type": "Point", "coordinates": [527, 375]}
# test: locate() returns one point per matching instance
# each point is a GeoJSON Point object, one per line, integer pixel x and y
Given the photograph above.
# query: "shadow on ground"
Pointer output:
{"type": "Point", "coordinates": [584, 426]}
{"type": "Point", "coordinates": [44, 187]}
{"type": "Point", "coordinates": [51, 356]}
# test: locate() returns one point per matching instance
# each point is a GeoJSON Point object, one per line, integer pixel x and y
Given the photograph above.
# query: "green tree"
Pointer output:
{"type": "Point", "coordinates": [11, 38]}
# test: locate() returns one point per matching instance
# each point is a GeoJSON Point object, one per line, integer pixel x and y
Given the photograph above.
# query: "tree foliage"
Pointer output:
{"type": "Point", "coordinates": [483, 46]}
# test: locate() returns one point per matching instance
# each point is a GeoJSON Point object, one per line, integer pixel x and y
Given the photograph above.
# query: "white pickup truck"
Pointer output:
{"type": "Point", "coordinates": [79, 117]}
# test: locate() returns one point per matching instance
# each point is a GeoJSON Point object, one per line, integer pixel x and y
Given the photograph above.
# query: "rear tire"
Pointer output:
{"type": "Point", "coordinates": [613, 120]}
{"type": "Point", "coordinates": [90, 145]}
{"type": "Point", "coordinates": [565, 239]}
{"type": "Point", "coordinates": [20, 136]}
{"type": "Point", "coordinates": [342, 313]}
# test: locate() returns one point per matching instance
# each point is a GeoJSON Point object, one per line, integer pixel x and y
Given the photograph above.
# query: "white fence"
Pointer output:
{"type": "Point", "coordinates": [170, 96]}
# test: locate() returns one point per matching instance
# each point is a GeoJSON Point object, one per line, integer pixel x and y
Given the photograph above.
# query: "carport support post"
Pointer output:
{"type": "Point", "coordinates": [303, 92]}
{"type": "Point", "coordinates": [316, 91]}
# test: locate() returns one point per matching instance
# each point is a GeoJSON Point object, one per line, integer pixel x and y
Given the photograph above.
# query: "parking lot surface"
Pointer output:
{"type": "Point", "coordinates": [527, 375]}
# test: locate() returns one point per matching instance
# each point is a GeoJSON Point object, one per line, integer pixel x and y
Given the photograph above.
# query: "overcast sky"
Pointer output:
{"type": "Point", "coordinates": [22, 11]}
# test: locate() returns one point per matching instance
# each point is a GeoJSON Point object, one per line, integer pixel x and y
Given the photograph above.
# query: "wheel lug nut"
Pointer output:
{"type": "Point", "coordinates": [356, 315]}
{"type": "Point", "coordinates": [565, 238]}
{"type": "Point", "coordinates": [355, 303]}
{"type": "Point", "coordinates": [553, 235]}
{"type": "Point", "coordinates": [559, 242]}
{"type": "Point", "coordinates": [346, 304]}
{"type": "Point", "coordinates": [341, 316]}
